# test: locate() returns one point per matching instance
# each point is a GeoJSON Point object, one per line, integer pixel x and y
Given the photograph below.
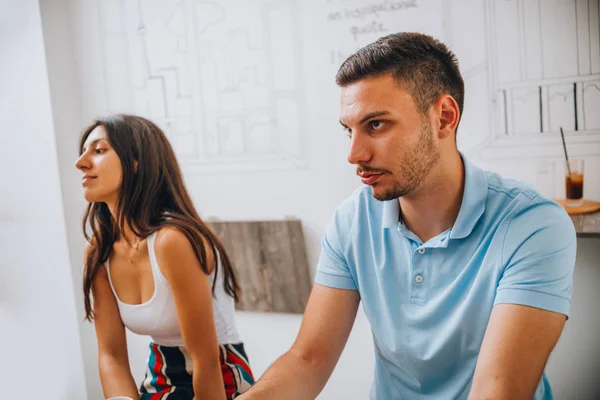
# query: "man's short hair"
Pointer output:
{"type": "Point", "coordinates": [424, 66]}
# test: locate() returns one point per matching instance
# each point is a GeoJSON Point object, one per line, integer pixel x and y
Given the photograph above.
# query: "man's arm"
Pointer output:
{"type": "Point", "coordinates": [516, 346]}
{"type": "Point", "coordinates": [302, 372]}
{"type": "Point", "coordinates": [531, 305]}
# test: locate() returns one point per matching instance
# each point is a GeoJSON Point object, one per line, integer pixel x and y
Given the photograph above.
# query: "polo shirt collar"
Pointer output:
{"type": "Point", "coordinates": [471, 208]}
{"type": "Point", "coordinates": [473, 201]}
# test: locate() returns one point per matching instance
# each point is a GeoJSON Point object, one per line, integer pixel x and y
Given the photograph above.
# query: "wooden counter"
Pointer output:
{"type": "Point", "coordinates": [587, 225]}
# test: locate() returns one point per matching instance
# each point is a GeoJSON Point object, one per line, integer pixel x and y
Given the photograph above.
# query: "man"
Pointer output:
{"type": "Point", "coordinates": [465, 276]}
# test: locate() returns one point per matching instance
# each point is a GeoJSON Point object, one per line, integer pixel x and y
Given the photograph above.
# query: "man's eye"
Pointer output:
{"type": "Point", "coordinates": [376, 124]}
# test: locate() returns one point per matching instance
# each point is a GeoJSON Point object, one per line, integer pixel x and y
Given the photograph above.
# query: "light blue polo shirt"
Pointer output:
{"type": "Point", "coordinates": [429, 303]}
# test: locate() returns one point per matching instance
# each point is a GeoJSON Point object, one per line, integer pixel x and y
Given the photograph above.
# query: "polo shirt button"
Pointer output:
{"type": "Point", "coordinates": [421, 251]}
{"type": "Point", "coordinates": [419, 278]}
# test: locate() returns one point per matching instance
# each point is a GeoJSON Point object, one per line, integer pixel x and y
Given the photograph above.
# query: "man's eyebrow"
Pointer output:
{"type": "Point", "coordinates": [368, 117]}
{"type": "Point", "coordinates": [373, 115]}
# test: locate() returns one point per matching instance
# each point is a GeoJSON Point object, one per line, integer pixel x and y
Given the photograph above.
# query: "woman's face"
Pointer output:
{"type": "Point", "coordinates": [101, 168]}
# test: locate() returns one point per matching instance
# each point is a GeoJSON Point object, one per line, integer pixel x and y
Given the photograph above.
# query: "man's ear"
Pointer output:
{"type": "Point", "coordinates": [448, 116]}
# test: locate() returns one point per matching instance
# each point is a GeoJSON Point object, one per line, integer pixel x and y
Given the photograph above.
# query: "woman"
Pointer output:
{"type": "Point", "coordinates": [153, 266]}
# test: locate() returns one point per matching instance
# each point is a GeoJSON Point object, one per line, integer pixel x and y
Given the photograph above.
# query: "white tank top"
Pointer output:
{"type": "Point", "coordinates": [158, 317]}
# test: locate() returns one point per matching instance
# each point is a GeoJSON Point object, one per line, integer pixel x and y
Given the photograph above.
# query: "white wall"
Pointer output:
{"type": "Point", "coordinates": [41, 354]}
{"type": "Point", "coordinates": [65, 91]}
{"type": "Point", "coordinates": [96, 65]}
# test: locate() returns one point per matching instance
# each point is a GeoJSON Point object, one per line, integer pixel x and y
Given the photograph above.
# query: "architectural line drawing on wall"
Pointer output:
{"type": "Point", "coordinates": [543, 74]}
{"type": "Point", "coordinates": [550, 81]}
{"type": "Point", "coordinates": [212, 13]}
{"type": "Point", "coordinates": [159, 75]}
{"type": "Point", "coordinates": [145, 81]}
{"type": "Point", "coordinates": [224, 81]}
{"type": "Point", "coordinates": [354, 24]}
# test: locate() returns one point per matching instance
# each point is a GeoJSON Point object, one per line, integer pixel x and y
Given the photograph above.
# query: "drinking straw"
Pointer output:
{"type": "Point", "coordinates": [562, 135]}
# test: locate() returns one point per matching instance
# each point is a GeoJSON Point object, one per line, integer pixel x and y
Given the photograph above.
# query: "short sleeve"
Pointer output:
{"type": "Point", "coordinates": [332, 268]}
{"type": "Point", "coordinates": [539, 258]}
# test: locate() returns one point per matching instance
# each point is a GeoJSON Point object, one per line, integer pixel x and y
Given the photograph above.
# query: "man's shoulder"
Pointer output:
{"type": "Point", "coordinates": [522, 208]}
{"type": "Point", "coordinates": [526, 212]}
{"type": "Point", "coordinates": [514, 198]}
{"type": "Point", "coordinates": [540, 212]}
{"type": "Point", "coordinates": [521, 197]}
{"type": "Point", "coordinates": [509, 189]}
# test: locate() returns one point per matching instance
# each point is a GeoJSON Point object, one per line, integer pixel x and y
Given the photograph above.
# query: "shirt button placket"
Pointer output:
{"type": "Point", "coordinates": [417, 292]}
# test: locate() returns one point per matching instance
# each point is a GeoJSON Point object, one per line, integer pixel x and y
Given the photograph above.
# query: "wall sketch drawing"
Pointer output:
{"type": "Point", "coordinates": [270, 261]}
{"type": "Point", "coordinates": [544, 73]}
{"type": "Point", "coordinates": [223, 79]}
{"type": "Point", "coordinates": [354, 24]}
{"type": "Point", "coordinates": [544, 69]}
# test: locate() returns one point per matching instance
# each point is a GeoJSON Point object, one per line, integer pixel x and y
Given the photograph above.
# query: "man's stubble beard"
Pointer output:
{"type": "Point", "coordinates": [417, 165]}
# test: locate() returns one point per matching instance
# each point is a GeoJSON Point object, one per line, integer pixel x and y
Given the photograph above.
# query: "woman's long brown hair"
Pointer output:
{"type": "Point", "coordinates": [152, 196]}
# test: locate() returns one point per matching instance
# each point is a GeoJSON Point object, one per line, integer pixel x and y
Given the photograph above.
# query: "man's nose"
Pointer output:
{"type": "Point", "coordinates": [359, 152]}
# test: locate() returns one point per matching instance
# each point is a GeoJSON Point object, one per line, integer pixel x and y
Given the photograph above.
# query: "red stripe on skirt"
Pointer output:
{"type": "Point", "coordinates": [234, 359]}
{"type": "Point", "coordinates": [228, 374]}
{"type": "Point", "coordinates": [228, 380]}
{"type": "Point", "coordinates": [158, 366]}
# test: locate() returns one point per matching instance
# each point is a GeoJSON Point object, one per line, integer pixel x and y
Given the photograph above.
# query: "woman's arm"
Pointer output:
{"type": "Point", "coordinates": [191, 289]}
{"type": "Point", "coordinates": [113, 361]}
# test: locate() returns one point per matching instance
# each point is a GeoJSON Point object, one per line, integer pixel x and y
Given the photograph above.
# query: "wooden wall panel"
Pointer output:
{"type": "Point", "coordinates": [270, 261]}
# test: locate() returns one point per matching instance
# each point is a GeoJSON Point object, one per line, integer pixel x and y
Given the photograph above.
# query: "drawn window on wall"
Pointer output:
{"type": "Point", "coordinates": [545, 66]}
{"type": "Point", "coordinates": [221, 78]}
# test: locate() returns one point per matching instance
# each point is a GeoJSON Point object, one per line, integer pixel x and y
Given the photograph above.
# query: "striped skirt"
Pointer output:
{"type": "Point", "coordinates": [169, 373]}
